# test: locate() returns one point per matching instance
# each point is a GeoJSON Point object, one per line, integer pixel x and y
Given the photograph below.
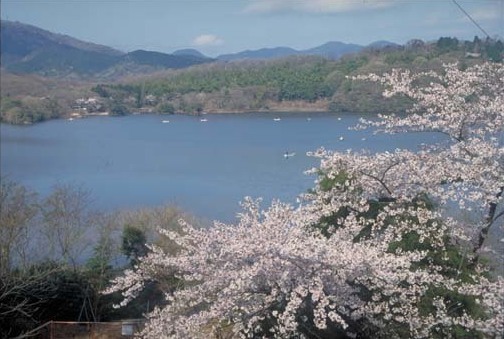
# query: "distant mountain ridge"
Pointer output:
{"type": "Point", "coordinates": [21, 39]}
{"type": "Point", "coordinates": [29, 49]}
{"type": "Point", "coordinates": [331, 50]}
{"type": "Point", "coordinates": [162, 59]}
{"type": "Point", "coordinates": [263, 53]}
{"type": "Point", "coordinates": [189, 51]}
{"type": "Point", "coordinates": [382, 44]}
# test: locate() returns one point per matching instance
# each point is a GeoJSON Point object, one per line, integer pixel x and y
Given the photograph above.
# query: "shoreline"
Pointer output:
{"type": "Point", "coordinates": [277, 110]}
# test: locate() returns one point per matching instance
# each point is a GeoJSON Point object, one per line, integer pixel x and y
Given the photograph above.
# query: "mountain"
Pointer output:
{"type": "Point", "coordinates": [157, 59]}
{"type": "Point", "coordinates": [382, 44]}
{"type": "Point", "coordinates": [331, 50]}
{"type": "Point", "coordinates": [19, 41]}
{"type": "Point", "coordinates": [32, 50]}
{"type": "Point", "coordinates": [190, 52]}
{"type": "Point", "coordinates": [29, 49]}
{"type": "Point", "coordinates": [263, 53]}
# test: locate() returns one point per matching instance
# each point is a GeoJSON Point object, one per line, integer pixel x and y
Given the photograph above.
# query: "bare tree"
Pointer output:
{"type": "Point", "coordinates": [17, 209]}
{"type": "Point", "coordinates": [22, 294]}
{"type": "Point", "coordinates": [67, 223]}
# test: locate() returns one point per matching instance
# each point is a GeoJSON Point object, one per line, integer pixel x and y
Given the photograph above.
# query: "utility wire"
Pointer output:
{"type": "Point", "coordinates": [469, 16]}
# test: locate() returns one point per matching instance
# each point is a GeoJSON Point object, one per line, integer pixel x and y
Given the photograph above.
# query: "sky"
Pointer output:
{"type": "Point", "coordinates": [217, 27]}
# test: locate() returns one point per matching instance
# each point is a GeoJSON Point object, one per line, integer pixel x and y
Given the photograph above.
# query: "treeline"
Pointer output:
{"type": "Point", "coordinates": [58, 254]}
{"type": "Point", "coordinates": [29, 99]}
{"type": "Point", "coordinates": [282, 84]}
{"type": "Point", "coordinates": [30, 109]}
{"type": "Point", "coordinates": [259, 85]}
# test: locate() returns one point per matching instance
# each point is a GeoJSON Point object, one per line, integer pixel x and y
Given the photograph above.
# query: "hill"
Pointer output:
{"type": "Point", "coordinates": [32, 50]}
{"type": "Point", "coordinates": [331, 50]}
{"type": "Point", "coordinates": [293, 83]}
{"type": "Point", "coordinates": [47, 75]}
{"type": "Point", "coordinates": [156, 59]}
{"type": "Point", "coordinates": [190, 51]}
{"type": "Point", "coordinates": [20, 40]}
{"type": "Point", "coordinates": [263, 53]}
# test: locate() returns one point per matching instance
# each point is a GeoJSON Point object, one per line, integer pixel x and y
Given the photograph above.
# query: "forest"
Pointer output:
{"type": "Point", "coordinates": [295, 83]}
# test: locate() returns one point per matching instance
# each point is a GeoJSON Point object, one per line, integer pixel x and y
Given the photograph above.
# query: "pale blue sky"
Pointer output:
{"type": "Point", "coordinates": [225, 26]}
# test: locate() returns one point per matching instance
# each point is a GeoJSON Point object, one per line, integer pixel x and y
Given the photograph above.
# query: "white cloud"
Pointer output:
{"type": "Point", "coordinates": [207, 40]}
{"type": "Point", "coordinates": [315, 6]}
{"type": "Point", "coordinates": [486, 14]}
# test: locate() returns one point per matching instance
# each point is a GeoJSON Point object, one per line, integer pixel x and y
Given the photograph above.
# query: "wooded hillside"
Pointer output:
{"type": "Point", "coordinates": [295, 83]}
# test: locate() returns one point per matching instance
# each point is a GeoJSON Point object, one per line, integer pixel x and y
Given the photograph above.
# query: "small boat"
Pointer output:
{"type": "Point", "coordinates": [339, 119]}
{"type": "Point", "coordinates": [70, 119]}
{"type": "Point", "coordinates": [165, 121]}
{"type": "Point", "coordinates": [289, 154]}
{"type": "Point", "coordinates": [341, 138]}
{"type": "Point", "coordinates": [277, 119]}
{"type": "Point", "coordinates": [308, 119]}
{"type": "Point", "coordinates": [203, 120]}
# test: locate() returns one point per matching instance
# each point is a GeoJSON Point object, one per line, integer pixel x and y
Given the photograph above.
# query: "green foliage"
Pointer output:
{"type": "Point", "coordinates": [446, 44]}
{"type": "Point", "coordinates": [351, 64]}
{"type": "Point", "coordinates": [495, 50]}
{"type": "Point", "coordinates": [451, 260]}
{"type": "Point", "coordinates": [158, 59]}
{"type": "Point", "coordinates": [29, 110]}
{"type": "Point", "coordinates": [99, 265]}
{"type": "Point", "coordinates": [101, 91]}
{"type": "Point", "coordinates": [133, 243]}
{"type": "Point", "coordinates": [327, 183]}
{"type": "Point", "coordinates": [366, 99]}
{"type": "Point", "coordinates": [399, 58]}
{"type": "Point", "coordinates": [165, 108]}
{"type": "Point", "coordinates": [456, 305]}
{"type": "Point", "coordinates": [61, 60]}
{"type": "Point", "coordinates": [117, 108]}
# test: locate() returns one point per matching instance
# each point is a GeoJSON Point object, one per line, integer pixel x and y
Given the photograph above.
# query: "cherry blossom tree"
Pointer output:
{"type": "Point", "coordinates": [468, 107]}
{"type": "Point", "coordinates": [371, 250]}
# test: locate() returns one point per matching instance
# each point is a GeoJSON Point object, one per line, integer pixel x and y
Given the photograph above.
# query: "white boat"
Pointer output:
{"type": "Point", "coordinates": [289, 154]}
{"type": "Point", "coordinates": [277, 119]}
{"type": "Point", "coordinates": [341, 138]}
{"type": "Point", "coordinates": [165, 121]}
{"type": "Point", "coordinates": [203, 120]}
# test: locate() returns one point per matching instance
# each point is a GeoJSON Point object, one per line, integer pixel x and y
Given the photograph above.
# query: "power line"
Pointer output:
{"type": "Point", "coordinates": [470, 17]}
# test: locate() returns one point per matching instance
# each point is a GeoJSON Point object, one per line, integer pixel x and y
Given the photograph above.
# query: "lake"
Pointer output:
{"type": "Point", "coordinates": [205, 168]}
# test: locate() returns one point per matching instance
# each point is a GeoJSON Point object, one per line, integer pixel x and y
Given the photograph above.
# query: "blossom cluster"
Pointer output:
{"type": "Point", "coordinates": [370, 251]}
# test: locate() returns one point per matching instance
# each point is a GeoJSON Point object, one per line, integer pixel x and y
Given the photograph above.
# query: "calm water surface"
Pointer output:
{"type": "Point", "coordinates": [204, 167]}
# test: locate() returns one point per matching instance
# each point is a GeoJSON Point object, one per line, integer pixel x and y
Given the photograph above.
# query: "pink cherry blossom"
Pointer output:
{"type": "Point", "coordinates": [339, 262]}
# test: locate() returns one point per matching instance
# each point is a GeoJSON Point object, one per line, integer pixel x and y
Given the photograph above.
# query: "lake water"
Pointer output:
{"type": "Point", "coordinates": [206, 168]}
